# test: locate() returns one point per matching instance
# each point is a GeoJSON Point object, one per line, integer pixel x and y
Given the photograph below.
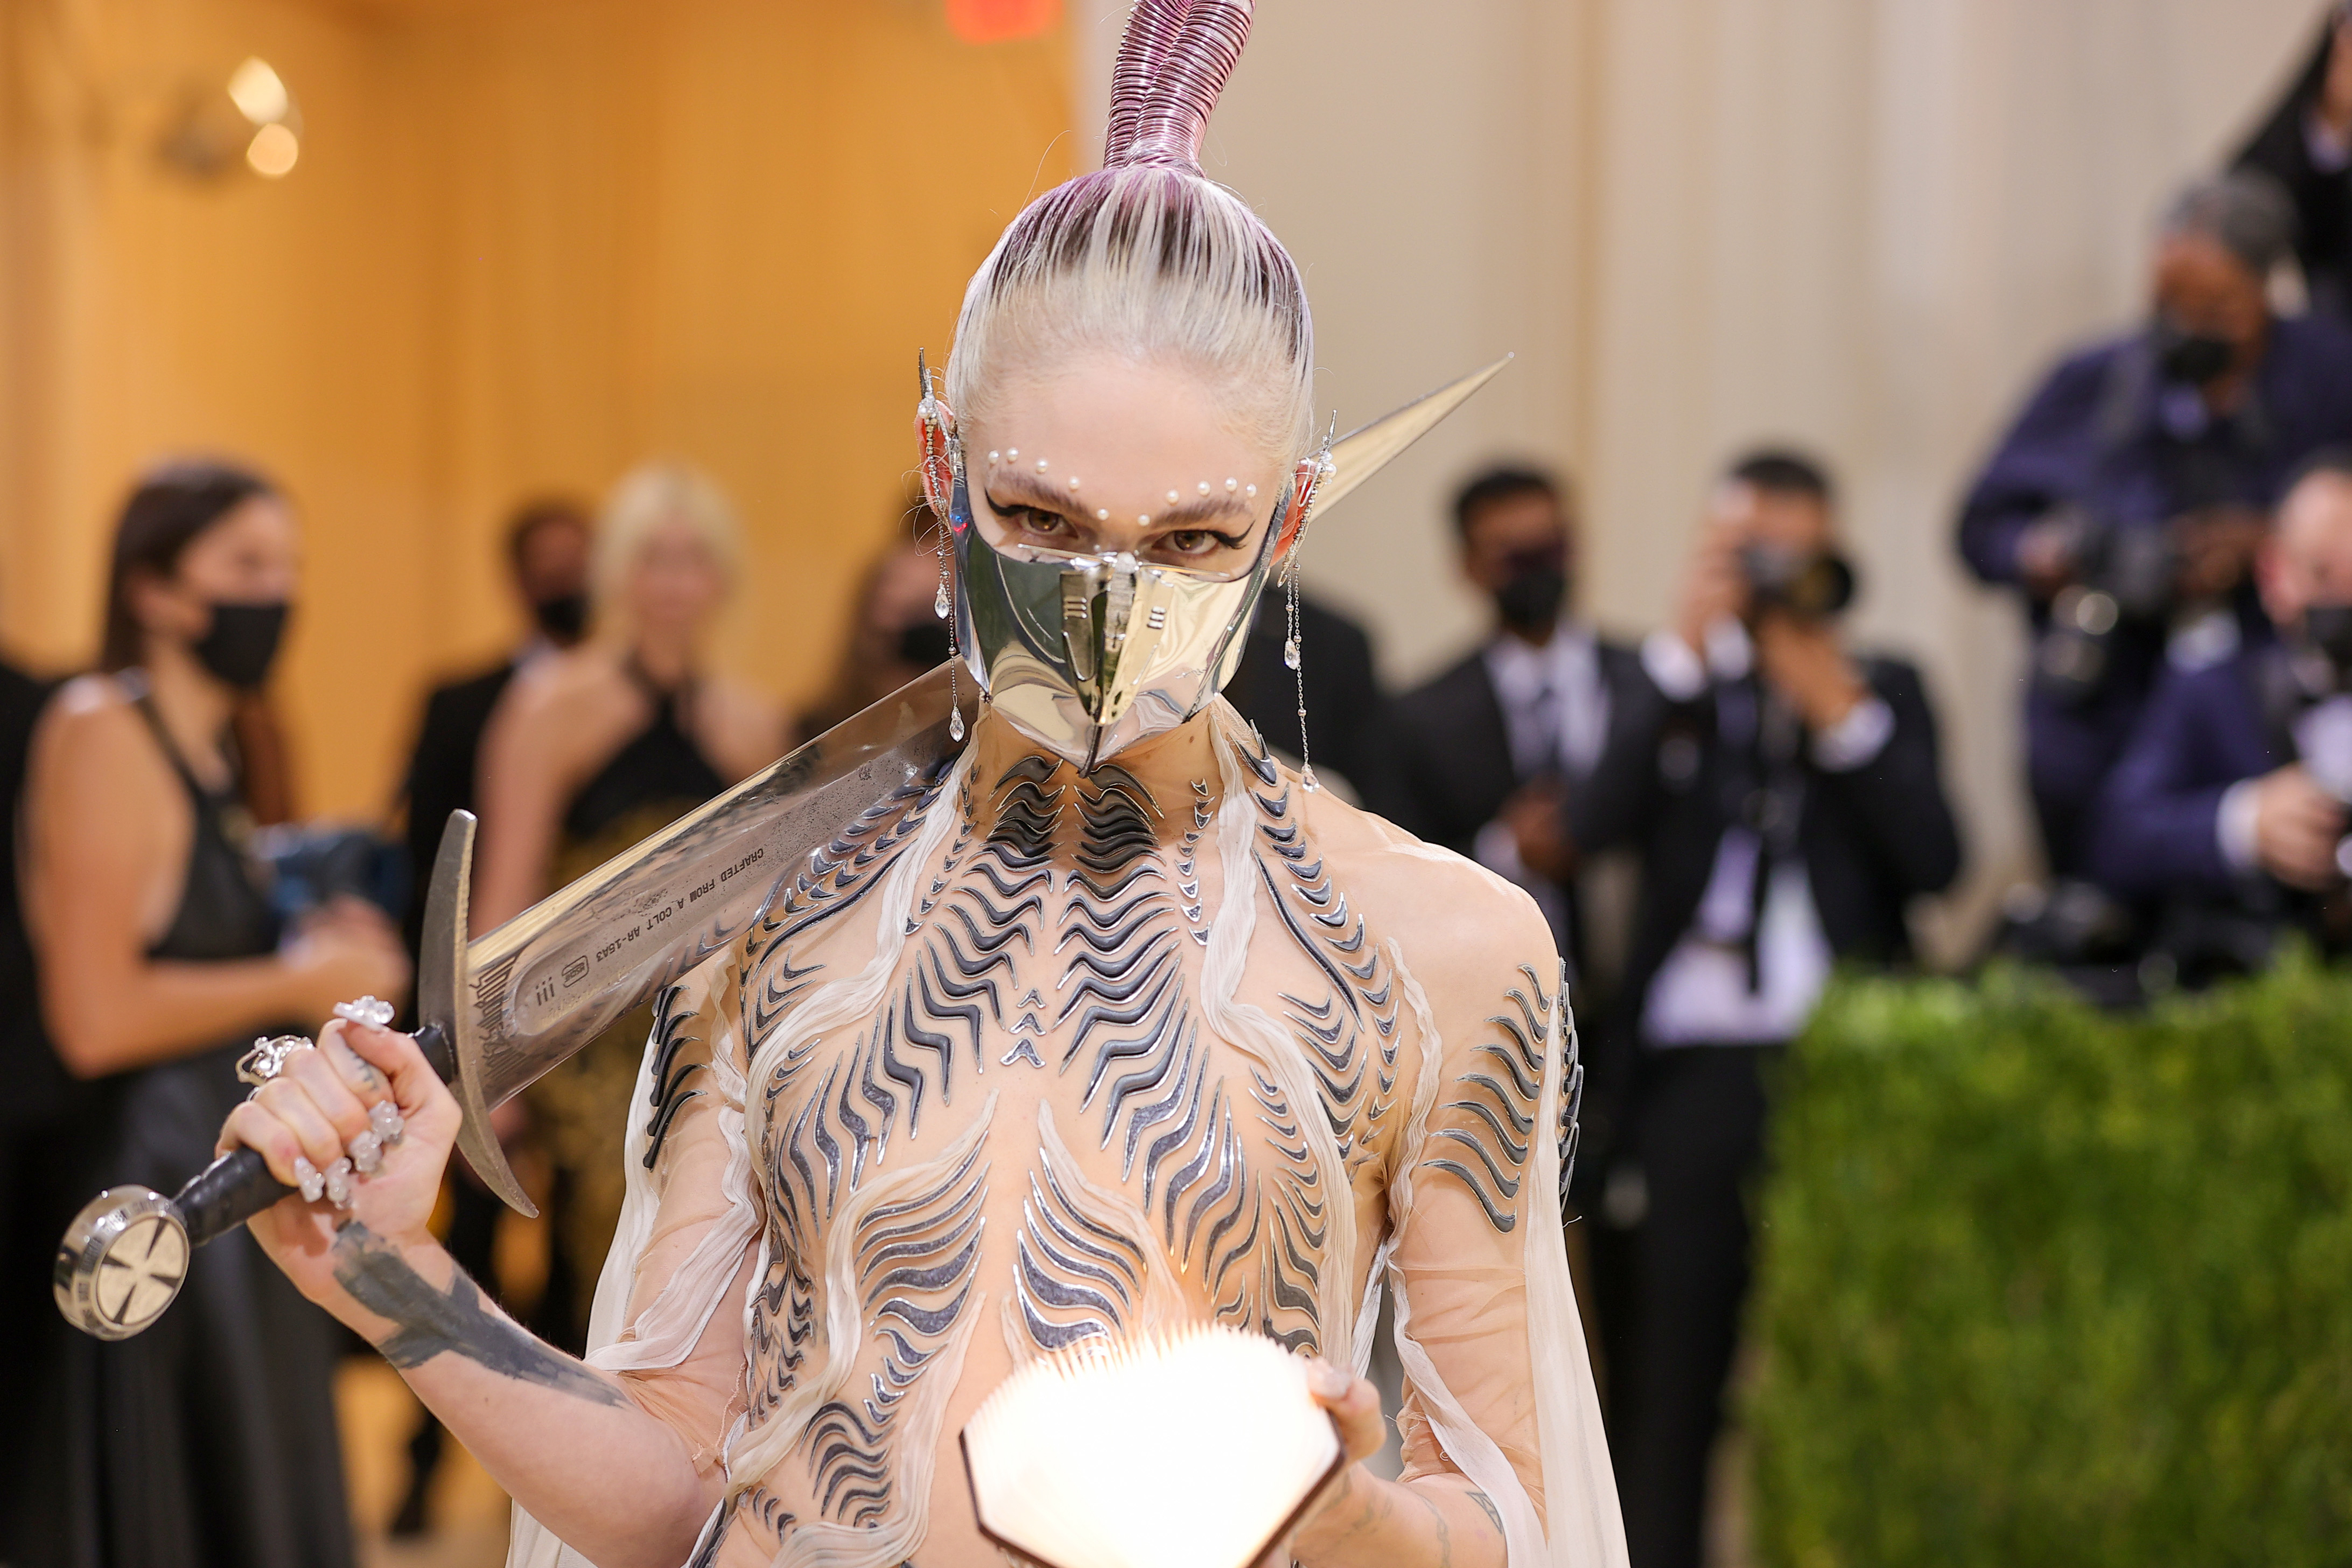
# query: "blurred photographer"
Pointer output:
{"type": "Point", "coordinates": [2128, 499]}
{"type": "Point", "coordinates": [1783, 794]}
{"type": "Point", "coordinates": [2227, 810]}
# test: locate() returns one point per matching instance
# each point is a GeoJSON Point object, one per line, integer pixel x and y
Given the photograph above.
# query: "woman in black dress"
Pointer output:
{"type": "Point", "coordinates": [211, 1440]}
{"type": "Point", "coordinates": [588, 753]}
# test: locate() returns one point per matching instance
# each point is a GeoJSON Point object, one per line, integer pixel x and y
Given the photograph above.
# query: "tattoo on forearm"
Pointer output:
{"type": "Point", "coordinates": [1487, 1505]}
{"type": "Point", "coordinates": [1445, 1533]}
{"type": "Point", "coordinates": [454, 1319]}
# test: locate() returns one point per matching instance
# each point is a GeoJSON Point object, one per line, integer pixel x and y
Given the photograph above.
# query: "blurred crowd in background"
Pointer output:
{"type": "Point", "coordinates": [1712, 818]}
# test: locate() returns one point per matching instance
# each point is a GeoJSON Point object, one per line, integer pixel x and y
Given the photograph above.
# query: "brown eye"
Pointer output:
{"type": "Point", "coordinates": [1046, 524]}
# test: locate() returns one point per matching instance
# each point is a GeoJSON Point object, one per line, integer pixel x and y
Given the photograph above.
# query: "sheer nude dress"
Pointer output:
{"type": "Point", "coordinates": [1040, 1055]}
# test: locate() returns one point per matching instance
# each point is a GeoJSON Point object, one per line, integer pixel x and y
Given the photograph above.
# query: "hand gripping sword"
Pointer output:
{"type": "Point", "coordinates": [497, 1013]}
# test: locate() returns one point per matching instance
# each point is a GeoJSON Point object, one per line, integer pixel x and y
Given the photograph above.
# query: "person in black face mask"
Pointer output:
{"type": "Point", "coordinates": [160, 956]}
{"type": "Point", "coordinates": [1486, 755]}
{"type": "Point", "coordinates": [2227, 814]}
{"type": "Point", "coordinates": [549, 541]}
{"type": "Point", "coordinates": [2127, 502]}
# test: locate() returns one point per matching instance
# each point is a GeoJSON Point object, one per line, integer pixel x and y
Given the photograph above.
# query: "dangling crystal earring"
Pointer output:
{"type": "Point", "coordinates": [944, 608]}
{"type": "Point", "coordinates": [939, 462]}
{"type": "Point", "coordinates": [1297, 666]}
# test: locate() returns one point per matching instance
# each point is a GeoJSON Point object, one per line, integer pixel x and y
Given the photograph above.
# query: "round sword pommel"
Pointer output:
{"type": "Point", "coordinates": [122, 1262]}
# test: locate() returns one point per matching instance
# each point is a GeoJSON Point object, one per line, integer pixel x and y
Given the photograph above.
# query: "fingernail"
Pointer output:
{"type": "Point", "coordinates": [307, 1177]}
{"type": "Point", "coordinates": [385, 1121]}
{"type": "Point", "coordinates": [338, 1184]}
{"type": "Point", "coordinates": [367, 1153]}
{"type": "Point", "coordinates": [1327, 1379]}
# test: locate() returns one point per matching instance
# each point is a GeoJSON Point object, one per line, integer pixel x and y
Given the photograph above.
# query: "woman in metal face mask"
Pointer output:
{"type": "Point", "coordinates": [1110, 1025]}
{"type": "Point", "coordinates": [161, 959]}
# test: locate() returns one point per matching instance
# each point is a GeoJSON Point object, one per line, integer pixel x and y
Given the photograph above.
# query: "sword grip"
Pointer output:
{"type": "Point", "coordinates": [225, 1194]}
{"type": "Point", "coordinates": [238, 1186]}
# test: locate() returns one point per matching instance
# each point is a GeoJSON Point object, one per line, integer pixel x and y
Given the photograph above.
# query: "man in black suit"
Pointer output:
{"type": "Point", "coordinates": [548, 552]}
{"type": "Point", "coordinates": [1783, 795]}
{"type": "Point", "coordinates": [547, 560]}
{"type": "Point", "coordinates": [1485, 757]}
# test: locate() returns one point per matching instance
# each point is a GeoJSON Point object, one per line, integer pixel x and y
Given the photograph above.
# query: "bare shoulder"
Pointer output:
{"type": "Point", "coordinates": [745, 725]}
{"type": "Point", "coordinates": [1467, 934]}
{"type": "Point", "coordinates": [91, 735]}
{"type": "Point", "coordinates": [566, 708]}
{"type": "Point", "coordinates": [561, 686]}
{"type": "Point", "coordinates": [98, 789]}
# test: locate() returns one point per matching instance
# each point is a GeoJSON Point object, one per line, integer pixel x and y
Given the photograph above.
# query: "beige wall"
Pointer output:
{"type": "Point", "coordinates": [530, 242]}
{"type": "Point", "coordinates": [1861, 226]}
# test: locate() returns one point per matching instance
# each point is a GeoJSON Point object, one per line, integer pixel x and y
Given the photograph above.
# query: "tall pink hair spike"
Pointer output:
{"type": "Point", "coordinates": [1173, 63]}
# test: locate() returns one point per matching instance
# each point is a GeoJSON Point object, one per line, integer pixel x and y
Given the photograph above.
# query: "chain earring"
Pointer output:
{"type": "Point", "coordinates": [1309, 480]}
{"type": "Point", "coordinates": [939, 462]}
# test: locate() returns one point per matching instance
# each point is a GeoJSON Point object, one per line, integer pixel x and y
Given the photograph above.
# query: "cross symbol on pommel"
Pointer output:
{"type": "Point", "coordinates": [142, 1272]}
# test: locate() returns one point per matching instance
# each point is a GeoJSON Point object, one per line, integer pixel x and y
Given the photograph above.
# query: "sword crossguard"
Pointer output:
{"type": "Point", "coordinates": [122, 1262]}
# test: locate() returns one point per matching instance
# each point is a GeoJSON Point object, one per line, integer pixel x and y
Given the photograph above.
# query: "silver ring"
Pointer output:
{"type": "Point", "coordinates": [268, 1058]}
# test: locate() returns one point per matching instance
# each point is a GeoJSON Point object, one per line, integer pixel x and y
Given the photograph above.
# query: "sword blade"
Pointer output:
{"type": "Point", "coordinates": [544, 985]}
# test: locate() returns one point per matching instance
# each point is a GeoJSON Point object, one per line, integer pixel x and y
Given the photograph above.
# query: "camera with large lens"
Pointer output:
{"type": "Point", "coordinates": [1810, 584]}
{"type": "Point", "coordinates": [2124, 577]}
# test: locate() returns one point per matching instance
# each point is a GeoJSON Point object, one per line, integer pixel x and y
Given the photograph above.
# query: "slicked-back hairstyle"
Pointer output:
{"type": "Point", "coordinates": [1148, 258]}
{"type": "Point", "coordinates": [172, 507]}
{"type": "Point", "coordinates": [1502, 482]}
{"type": "Point", "coordinates": [1783, 471]}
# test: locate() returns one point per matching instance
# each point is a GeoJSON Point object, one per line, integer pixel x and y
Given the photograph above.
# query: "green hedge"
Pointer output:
{"type": "Point", "coordinates": [2041, 1286]}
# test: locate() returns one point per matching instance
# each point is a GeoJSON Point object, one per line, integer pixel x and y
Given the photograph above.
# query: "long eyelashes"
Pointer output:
{"type": "Point", "coordinates": [1046, 524]}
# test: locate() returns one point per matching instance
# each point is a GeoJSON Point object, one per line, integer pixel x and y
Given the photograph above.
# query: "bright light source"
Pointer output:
{"type": "Point", "coordinates": [260, 96]}
{"type": "Point", "coordinates": [273, 151]}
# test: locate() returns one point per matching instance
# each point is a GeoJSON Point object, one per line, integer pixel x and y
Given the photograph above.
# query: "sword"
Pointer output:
{"type": "Point", "coordinates": [497, 1013]}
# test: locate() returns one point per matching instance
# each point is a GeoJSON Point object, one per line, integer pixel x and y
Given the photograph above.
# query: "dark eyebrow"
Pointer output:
{"type": "Point", "coordinates": [1026, 489]}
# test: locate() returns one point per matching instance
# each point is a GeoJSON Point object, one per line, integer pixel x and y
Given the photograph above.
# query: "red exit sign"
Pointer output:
{"type": "Point", "coordinates": [994, 21]}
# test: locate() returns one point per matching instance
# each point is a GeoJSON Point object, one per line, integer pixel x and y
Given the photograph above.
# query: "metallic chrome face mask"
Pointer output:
{"type": "Point", "coordinates": [1088, 654]}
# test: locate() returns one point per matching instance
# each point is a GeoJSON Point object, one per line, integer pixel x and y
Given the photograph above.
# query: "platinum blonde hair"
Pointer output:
{"type": "Point", "coordinates": [649, 496]}
{"type": "Point", "coordinates": [1149, 259]}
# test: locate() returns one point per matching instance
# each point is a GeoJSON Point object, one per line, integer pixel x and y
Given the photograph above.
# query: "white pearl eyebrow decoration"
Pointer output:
{"type": "Point", "coordinates": [1173, 496]}
{"type": "Point", "coordinates": [1249, 490]}
{"type": "Point", "coordinates": [1074, 481]}
{"type": "Point", "coordinates": [1040, 465]}
{"type": "Point", "coordinates": [1012, 454]}
{"type": "Point", "coordinates": [994, 458]}
{"type": "Point", "coordinates": [1144, 521]}
{"type": "Point", "coordinates": [1102, 514]}
{"type": "Point", "coordinates": [1204, 486]}
{"type": "Point", "coordinates": [1233, 484]}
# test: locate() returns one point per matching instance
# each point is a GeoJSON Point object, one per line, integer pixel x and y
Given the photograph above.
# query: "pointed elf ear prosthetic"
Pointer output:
{"type": "Point", "coordinates": [1304, 480]}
